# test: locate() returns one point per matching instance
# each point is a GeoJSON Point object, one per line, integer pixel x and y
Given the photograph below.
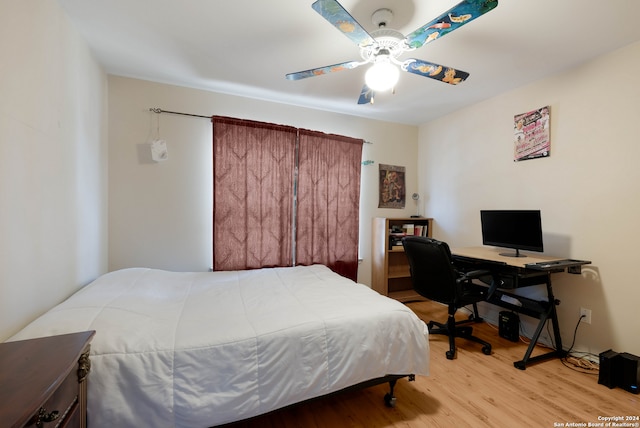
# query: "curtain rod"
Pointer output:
{"type": "Point", "coordinates": [159, 110]}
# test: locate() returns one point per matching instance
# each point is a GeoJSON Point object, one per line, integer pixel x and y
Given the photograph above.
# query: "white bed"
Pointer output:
{"type": "Point", "coordinates": [205, 348]}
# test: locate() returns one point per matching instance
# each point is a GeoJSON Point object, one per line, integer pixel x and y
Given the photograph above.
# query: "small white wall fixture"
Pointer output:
{"type": "Point", "coordinates": [159, 150]}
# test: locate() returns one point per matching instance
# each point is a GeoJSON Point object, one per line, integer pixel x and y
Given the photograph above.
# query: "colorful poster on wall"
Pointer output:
{"type": "Point", "coordinates": [392, 186]}
{"type": "Point", "coordinates": [531, 131]}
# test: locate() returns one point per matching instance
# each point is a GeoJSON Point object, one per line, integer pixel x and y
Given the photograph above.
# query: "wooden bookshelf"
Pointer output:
{"type": "Point", "coordinates": [390, 276]}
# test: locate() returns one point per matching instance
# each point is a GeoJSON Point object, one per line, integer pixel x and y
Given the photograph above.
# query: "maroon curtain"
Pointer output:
{"type": "Point", "coordinates": [253, 166]}
{"type": "Point", "coordinates": [328, 201]}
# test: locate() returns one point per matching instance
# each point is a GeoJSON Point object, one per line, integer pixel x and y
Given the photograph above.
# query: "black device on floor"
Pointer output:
{"type": "Point", "coordinates": [509, 325]}
{"type": "Point", "coordinates": [619, 370]}
{"type": "Point", "coordinates": [609, 373]}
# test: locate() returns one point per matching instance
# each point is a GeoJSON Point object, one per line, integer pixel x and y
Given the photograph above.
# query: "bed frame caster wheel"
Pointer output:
{"type": "Point", "coordinates": [450, 355]}
{"type": "Point", "coordinates": [390, 400]}
{"type": "Point", "coordinates": [486, 350]}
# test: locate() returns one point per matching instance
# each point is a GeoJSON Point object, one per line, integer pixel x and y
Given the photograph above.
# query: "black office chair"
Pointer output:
{"type": "Point", "coordinates": [435, 277]}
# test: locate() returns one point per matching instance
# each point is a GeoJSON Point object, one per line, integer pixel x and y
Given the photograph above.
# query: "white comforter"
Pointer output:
{"type": "Point", "coordinates": [200, 349]}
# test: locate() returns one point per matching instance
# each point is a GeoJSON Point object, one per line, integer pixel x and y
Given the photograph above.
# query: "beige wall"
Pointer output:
{"type": "Point", "coordinates": [587, 189]}
{"type": "Point", "coordinates": [160, 213]}
{"type": "Point", "coordinates": [53, 166]}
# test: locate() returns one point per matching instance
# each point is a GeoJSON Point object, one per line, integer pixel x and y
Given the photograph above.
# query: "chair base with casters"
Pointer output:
{"type": "Point", "coordinates": [435, 277]}
{"type": "Point", "coordinates": [459, 329]}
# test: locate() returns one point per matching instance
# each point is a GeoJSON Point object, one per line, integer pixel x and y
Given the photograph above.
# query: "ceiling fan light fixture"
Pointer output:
{"type": "Point", "coordinates": [382, 76]}
{"type": "Point", "coordinates": [382, 47]}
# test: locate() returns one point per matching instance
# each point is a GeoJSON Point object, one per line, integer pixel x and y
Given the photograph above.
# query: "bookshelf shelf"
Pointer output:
{"type": "Point", "coordinates": [391, 276]}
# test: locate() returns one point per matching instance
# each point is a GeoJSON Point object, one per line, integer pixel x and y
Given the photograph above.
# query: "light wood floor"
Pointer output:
{"type": "Point", "coordinates": [474, 390]}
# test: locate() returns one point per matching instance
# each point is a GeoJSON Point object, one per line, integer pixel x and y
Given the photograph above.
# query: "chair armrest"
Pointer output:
{"type": "Point", "coordinates": [476, 274]}
{"type": "Point", "coordinates": [479, 273]}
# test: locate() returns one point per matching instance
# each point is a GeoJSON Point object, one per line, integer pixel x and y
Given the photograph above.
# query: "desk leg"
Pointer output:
{"type": "Point", "coordinates": [552, 314]}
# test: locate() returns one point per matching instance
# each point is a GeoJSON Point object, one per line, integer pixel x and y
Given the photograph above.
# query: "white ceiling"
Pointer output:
{"type": "Point", "coordinates": [245, 47]}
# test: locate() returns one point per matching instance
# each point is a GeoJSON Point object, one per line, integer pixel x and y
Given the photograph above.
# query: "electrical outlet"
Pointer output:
{"type": "Point", "coordinates": [586, 314]}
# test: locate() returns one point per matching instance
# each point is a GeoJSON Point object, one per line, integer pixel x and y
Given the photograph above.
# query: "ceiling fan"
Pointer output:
{"type": "Point", "coordinates": [382, 47]}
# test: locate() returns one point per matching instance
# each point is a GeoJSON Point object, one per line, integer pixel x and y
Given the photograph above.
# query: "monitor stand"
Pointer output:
{"type": "Point", "coordinates": [516, 254]}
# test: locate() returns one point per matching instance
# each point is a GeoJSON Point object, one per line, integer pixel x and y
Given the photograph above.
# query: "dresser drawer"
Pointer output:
{"type": "Point", "coordinates": [56, 411]}
{"type": "Point", "coordinates": [43, 381]}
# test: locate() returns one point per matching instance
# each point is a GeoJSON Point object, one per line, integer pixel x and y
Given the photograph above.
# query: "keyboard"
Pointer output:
{"type": "Point", "coordinates": [556, 264]}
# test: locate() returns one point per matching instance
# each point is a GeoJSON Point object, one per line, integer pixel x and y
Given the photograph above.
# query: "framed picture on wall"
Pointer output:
{"type": "Point", "coordinates": [531, 135]}
{"type": "Point", "coordinates": [392, 186]}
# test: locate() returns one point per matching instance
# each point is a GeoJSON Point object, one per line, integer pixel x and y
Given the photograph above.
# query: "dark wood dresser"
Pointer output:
{"type": "Point", "coordinates": [43, 381]}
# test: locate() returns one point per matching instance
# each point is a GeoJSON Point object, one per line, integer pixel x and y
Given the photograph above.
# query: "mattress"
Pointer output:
{"type": "Point", "coordinates": [196, 349]}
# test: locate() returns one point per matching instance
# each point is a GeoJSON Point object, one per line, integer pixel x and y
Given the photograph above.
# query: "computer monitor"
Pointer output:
{"type": "Point", "coordinates": [517, 229]}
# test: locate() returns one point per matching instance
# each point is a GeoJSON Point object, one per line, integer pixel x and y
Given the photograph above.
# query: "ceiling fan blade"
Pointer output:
{"type": "Point", "coordinates": [435, 71]}
{"type": "Point", "coordinates": [337, 15]}
{"type": "Point", "coordinates": [459, 15]}
{"type": "Point", "coordinates": [366, 95]}
{"type": "Point", "coordinates": [323, 70]}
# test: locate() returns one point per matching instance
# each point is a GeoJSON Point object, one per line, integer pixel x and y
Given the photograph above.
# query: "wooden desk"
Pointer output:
{"type": "Point", "coordinates": [517, 272]}
{"type": "Point", "coordinates": [493, 254]}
